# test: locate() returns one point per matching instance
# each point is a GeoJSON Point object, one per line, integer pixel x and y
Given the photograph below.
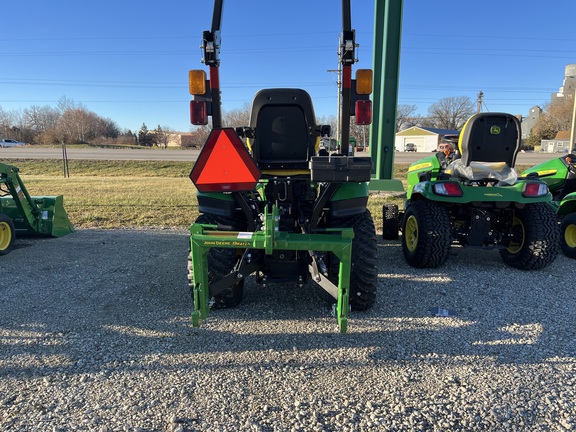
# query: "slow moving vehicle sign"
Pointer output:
{"type": "Point", "coordinates": [224, 164]}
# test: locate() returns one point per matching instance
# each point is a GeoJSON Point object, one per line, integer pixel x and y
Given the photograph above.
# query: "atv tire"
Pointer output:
{"type": "Point", "coordinates": [536, 238]}
{"type": "Point", "coordinates": [221, 262]}
{"type": "Point", "coordinates": [568, 235]}
{"type": "Point", "coordinates": [363, 274]}
{"type": "Point", "coordinates": [7, 234]}
{"type": "Point", "coordinates": [426, 234]}
{"type": "Point", "coordinates": [390, 222]}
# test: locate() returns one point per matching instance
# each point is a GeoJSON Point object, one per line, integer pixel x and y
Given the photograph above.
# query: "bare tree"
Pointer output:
{"type": "Point", "coordinates": [404, 116]}
{"type": "Point", "coordinates": [451, 112]}
{"type": "Point", "coordinates": [162, 136]}
{"type": "Point", "coordinates": [555, 117]}
{"type": "Point", "coordinates": [197, 137]}
{"type": "Point", "coordinates": [238, 117]}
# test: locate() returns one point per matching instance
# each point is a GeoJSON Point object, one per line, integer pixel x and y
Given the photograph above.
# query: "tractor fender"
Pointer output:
{"type": "Point", "coordinates": [216, 203]}
{"type": "Point", "coordinates": [349, 199]}
{"type": "Point", "coordinates": [567, 205]}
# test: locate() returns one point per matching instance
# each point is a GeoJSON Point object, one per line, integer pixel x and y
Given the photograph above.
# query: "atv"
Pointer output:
{"type": "Point", "coordinates": [560, 176]}
{"type": "Point", "coordinates": [272, 202]}
{"type": "Point", "coordinates": [475, 198]}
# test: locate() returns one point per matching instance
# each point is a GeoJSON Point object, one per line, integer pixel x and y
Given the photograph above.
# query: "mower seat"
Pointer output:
{"type": "Point", "coordinates": [488, 145]}
{"type": "Point", "coordinates": [285, 129]}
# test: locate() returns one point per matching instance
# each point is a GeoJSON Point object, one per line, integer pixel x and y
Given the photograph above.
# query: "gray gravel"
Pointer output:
{"type": "Point", "coordinates": [95, 335]}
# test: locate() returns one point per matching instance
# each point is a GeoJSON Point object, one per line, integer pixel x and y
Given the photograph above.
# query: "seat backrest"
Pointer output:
{"type": "Point", "coordinates": [490, 137]}
{"type": "Point", "coordinates": [285, 129]}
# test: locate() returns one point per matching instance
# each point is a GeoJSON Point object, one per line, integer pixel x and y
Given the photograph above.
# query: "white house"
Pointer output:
{"type": "Point", "coordinates": [426, 139]}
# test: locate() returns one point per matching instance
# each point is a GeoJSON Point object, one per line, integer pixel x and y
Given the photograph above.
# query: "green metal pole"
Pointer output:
{"type": "Point", "coordinates": [386, 63]}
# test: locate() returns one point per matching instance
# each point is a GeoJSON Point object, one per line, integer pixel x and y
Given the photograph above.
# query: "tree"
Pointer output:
{"type": "Point", "coordinates": [451, 112]}
{"type": "Point", "coordinates": [238, 117]}
{"type": "Point", "coordinates": [197, 137]}
{"type": "Point", "coordinates": [404, 116]}
{"type": "Point", "coordinates": [555, 117]}
{"type": "Point", "coordinates": [162, 136]}
{"type": "Point", "coordinates": [145, 137]}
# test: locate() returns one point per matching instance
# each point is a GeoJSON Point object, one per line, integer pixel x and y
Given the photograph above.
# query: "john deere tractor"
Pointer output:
{"type": "Point", "coordinates": [560, 176]}
{"type": "Point", "coordinates": [27, 215]}
{"type": "Point", "coordinates": [273, 202]}
{"type": "Point", "coordinates": [475, 198]}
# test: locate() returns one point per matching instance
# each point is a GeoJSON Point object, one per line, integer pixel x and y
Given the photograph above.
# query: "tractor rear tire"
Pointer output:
{"type": "Point", "coordinates": [7, 234]}
{"type": "Point", "coordinates": [426, 234]}
{"type": "Point", "coordinates": [221, 262]}
{"type": "Point", "coordinates": [568, 235]}
{"type": "Point", "coordinates": [537, 238]}
{"type": "Point", "coordinates": [363, 274]}
{"type": "Point", "coordinates": [390, 222]}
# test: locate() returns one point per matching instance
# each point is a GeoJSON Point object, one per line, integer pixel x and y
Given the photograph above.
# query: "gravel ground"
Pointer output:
{"type": "Point", "coordinates": [95, 335]}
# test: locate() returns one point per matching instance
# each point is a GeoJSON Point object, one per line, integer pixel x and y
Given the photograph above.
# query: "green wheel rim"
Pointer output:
{"type": "Point", "coordinates": [570, 236]}
{"type": "Point", "coordinates": [516, 246]}
{"type": "Point", "coordinates": [411, 233]}
{"type": "Point", "coordinates": [5, 235]}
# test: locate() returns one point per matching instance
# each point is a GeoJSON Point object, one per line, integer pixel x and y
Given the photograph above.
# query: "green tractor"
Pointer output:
{"type": "Point", "coordinates": [27, 215]}
{"type": "Point", "coordinates": [273, 203]}
{"type": "Point", "coordinates": [560, 176]}
{"type": "Point", "coordinates": [475, 198]}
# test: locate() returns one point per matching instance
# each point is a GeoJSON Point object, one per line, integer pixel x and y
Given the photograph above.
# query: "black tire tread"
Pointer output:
{"type": "Point", "coordinates": [542, 239]}
{"type": "Point", "coordinates": [364, 274]}
{"type": "Point", "coordinates": [434, 234]}
{"type": "Point", "coordinates": [390, 223]}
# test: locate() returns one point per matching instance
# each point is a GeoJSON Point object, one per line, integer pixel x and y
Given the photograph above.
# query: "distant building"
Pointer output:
{"type": "Point", "coordinates": [425, 139]}
{"type": "Point", "coordinates": [179, 139]}
{"type": "Point", "coordinates": [530, 121]}
{"type": "Point", "coordinates": [560, 144]}
{"type": "Point", "coordinates": [568, 86]}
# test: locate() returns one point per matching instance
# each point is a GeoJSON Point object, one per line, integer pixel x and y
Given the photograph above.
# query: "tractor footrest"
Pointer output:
{"type": "Point", "coordinates": [340, 169]}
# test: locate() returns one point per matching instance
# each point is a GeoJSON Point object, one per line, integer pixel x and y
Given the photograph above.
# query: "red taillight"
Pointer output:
{"type": "Point", "coordinates": [363, 111]}
{"type": "Point", "coordinates": [533, 190]}
{"type": "Point", "coordinates": [447, 189]}
{"type": "Point", "coordinates": [198, 112]}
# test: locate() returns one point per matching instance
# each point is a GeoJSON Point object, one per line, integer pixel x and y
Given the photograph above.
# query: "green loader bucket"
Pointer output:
{"type": "Point", "coordinates": [50, 220]}
{"type": "Point", "coordinates": [56, 223]}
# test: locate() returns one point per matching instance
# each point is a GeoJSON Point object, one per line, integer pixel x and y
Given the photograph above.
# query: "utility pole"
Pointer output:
{"type": "Point", "coordinates": [479, 101]}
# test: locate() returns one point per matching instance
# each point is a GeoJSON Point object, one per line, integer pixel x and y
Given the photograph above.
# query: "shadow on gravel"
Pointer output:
{"type": "Point", "coordinates": [104, 300]}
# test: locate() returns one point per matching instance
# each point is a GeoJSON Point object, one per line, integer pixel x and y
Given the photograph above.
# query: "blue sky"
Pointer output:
{"type": "Point", "coordinates": [128, 60]}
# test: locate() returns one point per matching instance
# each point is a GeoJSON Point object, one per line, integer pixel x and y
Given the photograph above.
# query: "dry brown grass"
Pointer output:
{"type": "Point", "coordinates": [117, 194]}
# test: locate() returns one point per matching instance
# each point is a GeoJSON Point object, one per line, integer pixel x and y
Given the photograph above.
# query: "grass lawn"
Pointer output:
{"type": "Point", "coordinates": [136, 194]}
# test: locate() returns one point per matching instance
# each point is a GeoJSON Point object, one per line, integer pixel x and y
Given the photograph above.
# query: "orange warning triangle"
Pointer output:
{"type": "Point", "coordinates": [224, 164]}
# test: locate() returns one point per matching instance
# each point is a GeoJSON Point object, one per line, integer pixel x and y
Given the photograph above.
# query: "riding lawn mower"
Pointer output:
{"type": "Point", "coordinates": [474, 197]}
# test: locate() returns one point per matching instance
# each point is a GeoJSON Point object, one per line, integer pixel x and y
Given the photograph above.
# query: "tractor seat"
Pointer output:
{"type": "Point", "coordinates": [285, 129]}
{"type": "Point", "coordinates": [488, 145]}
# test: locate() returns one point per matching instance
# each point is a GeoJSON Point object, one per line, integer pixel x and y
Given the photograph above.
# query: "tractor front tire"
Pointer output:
{"type": "Point", "coordinates": [536, 238]}
{"type": "Point", "coordinates": [390, 222]}
{"type": "Point", "coordinates": [7, 234]}
{"type": "Point", "coordinates": [426, 234]}
{"type": "Point", "coordinates": [221, 262]}
{"type": "Point", "coordinates": [363, 274]}
{"type": "Point", "coordinates": [568, 235]}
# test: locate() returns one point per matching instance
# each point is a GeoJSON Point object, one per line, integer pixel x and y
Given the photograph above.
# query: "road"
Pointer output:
{"type": "Point", "coordinates": [191, 155]}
